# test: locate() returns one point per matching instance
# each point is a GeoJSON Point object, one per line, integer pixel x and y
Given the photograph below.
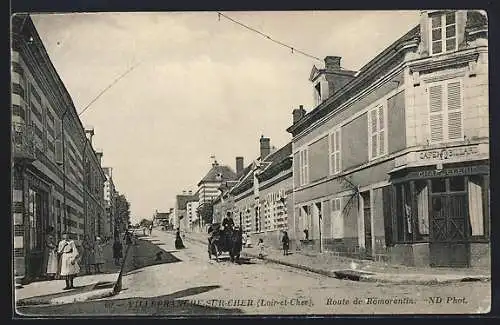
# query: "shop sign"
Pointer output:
{"type": "Point", "coordinates": [449, 153]}
{"type": "Point", "coordinates": [450, 172]}
{"type": "Point", "coordinates": [273, 197]}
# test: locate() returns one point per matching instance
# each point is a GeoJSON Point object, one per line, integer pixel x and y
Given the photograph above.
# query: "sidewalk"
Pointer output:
{"type": "Point", "coordinates": [361, 270]}
{"type": "Point", "coordinates": [88, 287]}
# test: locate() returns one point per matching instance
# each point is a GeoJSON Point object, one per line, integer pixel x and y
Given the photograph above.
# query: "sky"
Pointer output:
{"type": "Point", "coordinates": [202, 86]}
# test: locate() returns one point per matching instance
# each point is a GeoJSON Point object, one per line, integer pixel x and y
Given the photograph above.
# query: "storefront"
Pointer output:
{"type": "Point", "coordinates": [31, 220]}
{"type": "Point", "coordinates": [440, 215]}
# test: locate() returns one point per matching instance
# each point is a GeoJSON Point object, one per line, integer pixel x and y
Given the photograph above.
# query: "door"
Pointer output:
{"type": "Point", "coordinates": [448, 245]}
{"type": "Point", "coordinates": [367, 223]}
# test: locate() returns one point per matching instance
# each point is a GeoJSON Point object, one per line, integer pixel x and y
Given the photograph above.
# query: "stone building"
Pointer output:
{"type": "Point", "coordinates": [260, 200]}
{"type": "Point", "coordinates": [393, 164]}
{"type": "Point", "coordinates": [48, 145]}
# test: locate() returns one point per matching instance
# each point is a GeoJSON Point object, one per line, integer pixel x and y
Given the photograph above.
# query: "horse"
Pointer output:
{"type": "Point", "coordinates": [229, 240]}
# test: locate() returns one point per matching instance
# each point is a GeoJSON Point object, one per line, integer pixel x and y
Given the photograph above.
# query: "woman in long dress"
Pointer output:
{"type": "Point", "coordinates": [98, 254]}
{"type": "Point", "coordinates": [50, 255]}
{"type": "Point", "coordinates": [68, 260]}
{"type": "Point", "coordinates": [87, 254]}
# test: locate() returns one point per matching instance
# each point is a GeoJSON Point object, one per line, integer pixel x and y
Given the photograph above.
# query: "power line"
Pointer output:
{"type": "Point", "coordinates": [108, 87]}
{"type": "Point", "coordinates": [268, 37]}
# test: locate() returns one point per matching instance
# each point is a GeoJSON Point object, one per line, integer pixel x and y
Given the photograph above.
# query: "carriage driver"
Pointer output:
{"type": "Point", "coordinates": [228, 222]}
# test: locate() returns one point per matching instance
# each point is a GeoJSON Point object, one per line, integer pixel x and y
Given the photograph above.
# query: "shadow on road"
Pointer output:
{"type": "Point", "coordinates": [168, 305]}
{"type": "Point", "coordinates": [45, 299]}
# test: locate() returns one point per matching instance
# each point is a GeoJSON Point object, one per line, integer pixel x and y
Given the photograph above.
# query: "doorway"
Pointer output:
{"type": "Point", "coordinates": [367, 223]}
{"type": "Point", "coordinates": [448, 246]}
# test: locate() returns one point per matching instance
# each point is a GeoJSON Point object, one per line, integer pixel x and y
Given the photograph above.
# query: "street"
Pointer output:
{"type": "Point", "coordinates": [195, 285]}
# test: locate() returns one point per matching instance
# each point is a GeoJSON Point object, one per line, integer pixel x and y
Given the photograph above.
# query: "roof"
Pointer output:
{"type": "Point", "coordinates": [181, 200]}
{"type": "Point", "coordinates": [227, 174]}
{"type": "Point", "coordinates": [271, 165]}
{"type": "Point", "coordinates": [350, 88]}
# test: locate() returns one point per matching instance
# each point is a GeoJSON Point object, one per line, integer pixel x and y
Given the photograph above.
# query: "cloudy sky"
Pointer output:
{"type": "Point", "coordinates": [202, 87]}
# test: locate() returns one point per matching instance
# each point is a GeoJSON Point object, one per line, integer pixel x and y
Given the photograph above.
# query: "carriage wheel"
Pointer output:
{"type": "Point", "coordinates": [216, 253]}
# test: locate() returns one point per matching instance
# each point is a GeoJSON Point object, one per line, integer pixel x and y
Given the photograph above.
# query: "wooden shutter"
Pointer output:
{"type": "Point", "coordinates": [372, 120]}
{"type": "Point", "coordinates": [436, 112]}
{"type": "Point", "coordinates": [454, 102]}
{"type": "Point", "coordinates": [337, 221]}
{"type": "Point", "coordinates": [381, 130]}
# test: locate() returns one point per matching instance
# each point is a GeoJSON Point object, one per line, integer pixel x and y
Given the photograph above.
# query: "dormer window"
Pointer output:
{"type": "Point", "coordinates": [317, 92]}
{"type": "Point", "coordinates": [443, 32]}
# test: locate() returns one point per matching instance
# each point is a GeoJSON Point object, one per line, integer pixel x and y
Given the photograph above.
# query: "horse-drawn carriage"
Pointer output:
{"type": "Point", "coordinates": [225, 240]}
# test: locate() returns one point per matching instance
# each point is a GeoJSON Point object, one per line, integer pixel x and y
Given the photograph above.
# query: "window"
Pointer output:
{"type": "Point", "coordinates": [335, 165]}
{"type": "Point", "coordinates": [305, 220]}
{"type": "Point", "coordinates": [445, 111]}
{"type": "Point", "coordinates": [377, 142]}
{"type": "Point", "coordinates": [303, 167]}
{"type": "Point", "coordinates": [337, 221]}
{"type": "Point", "coordinates": [443, 33]}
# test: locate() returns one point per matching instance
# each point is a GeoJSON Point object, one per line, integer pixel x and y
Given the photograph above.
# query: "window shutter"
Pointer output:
{"type": "Point", "coordinates": [454, 111]}
{"type": "Point", "coordinates": [436, 112]}
{"type": "Point", "coordinates": [324, 90]}
{"type": "Point", "coordinates": [373, 132]}
{"type": "Point", "coordinates": [381, 129]}
{"type": "Point", "coordinates": [306, 167]}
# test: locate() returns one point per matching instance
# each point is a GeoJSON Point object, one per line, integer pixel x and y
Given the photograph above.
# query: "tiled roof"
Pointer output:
{"type": "Point", "coordinates": [270, 167]}
{"type": "Point", "coordinates": [226, 172]}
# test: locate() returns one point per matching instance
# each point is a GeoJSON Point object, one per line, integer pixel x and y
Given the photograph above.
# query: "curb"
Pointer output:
{"type": "Point", "coordinates": [363, 276]}
{"type": "Point", "coordinates": [82, 298]}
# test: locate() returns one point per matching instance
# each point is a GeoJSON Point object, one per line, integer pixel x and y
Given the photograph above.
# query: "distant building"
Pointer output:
{"type": "Point", "coordinates": [181, 209]}
{"type": "Point", "coordinates": [110, 201]}
{"type": "Point", "coordinates": [192, 214]}
{"type": "Point", "coordinates": [208, 187]}
{"type": "Point", "coordinates": [260, 200]}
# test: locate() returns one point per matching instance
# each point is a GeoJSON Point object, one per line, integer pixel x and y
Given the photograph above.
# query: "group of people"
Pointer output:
{"type": "Point", "coordinates": [63, 260]}
{"type": "Point", "coordinates": [285, 241]}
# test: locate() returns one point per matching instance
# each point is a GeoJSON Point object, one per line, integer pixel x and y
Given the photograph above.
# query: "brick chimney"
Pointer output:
{"type": "Point", "coordinates": [332, 63]}
{"type": "Point", "coordinates": [89, 132]}
{"type": "Point", "coordinates": [298, 114]}
{"type": "Point", "coordinates": [335, 76]}
{"type": "Point", "coordinates": [239, 165]}
{"type": "Point", "coordinates": [265, 147]}
{"type": "Point", "coordinates": [99, 155]}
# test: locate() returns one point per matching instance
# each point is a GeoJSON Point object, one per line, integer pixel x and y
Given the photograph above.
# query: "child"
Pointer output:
{"type": "Point", "coordinates": [261, 248]}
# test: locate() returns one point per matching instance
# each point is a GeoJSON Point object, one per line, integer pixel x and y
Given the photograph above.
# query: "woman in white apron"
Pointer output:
{"type": "Point", "coordinates": [68, 260]}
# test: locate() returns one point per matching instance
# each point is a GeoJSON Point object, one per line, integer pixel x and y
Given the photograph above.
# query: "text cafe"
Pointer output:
{"type": "Point", "coordinates": [440, 215]}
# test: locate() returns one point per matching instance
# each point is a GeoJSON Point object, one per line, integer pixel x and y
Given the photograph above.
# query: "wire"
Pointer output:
{"type": "Point", "coordinates": [293, 49]}
{"type": "Point", "coordinates": [108, 87]}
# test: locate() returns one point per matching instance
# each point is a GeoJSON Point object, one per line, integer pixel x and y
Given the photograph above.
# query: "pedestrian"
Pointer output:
{"type": "Point", "coordinates": [50, 255]}
{"type": "Point", "coordinates": [178, 240]}
{"type": "Point", "coordinates": [150, 229]}
{"type": "Point", "coordinates": [87, 254]}
{"type": "Point", "coordinates": [286, 243]}
{"type": "Point", "coordinates": [69, 267]}
{"type": "Point", "coordinates": [127, 237]}
{"type": "Point", "coordinates": [117, 251]}
{"type": "Point", "coordinates": [260, 245]}
{"type": "Point", "coordinates": [98, 254]}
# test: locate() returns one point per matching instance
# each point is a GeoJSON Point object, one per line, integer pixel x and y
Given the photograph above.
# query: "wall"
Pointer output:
{"type": "Point", "coordinates": [354, 147]}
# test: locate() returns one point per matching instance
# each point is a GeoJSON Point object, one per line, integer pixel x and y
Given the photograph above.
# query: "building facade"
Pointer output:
{"type": "Point", "coordinates": [48, 143]}
{"type": "Point", "coordinates": [208, 187]}
{"type": "Point", "coordinates": [192, 215]}
{"type": "Point", "coordinates": [110, 202]}
{"type": "Point", "coordinates": [260, 200]}
{"type": "Point", "coordinates": [394, 163]}
{"type": "Point", "coordinates": [182, 220]}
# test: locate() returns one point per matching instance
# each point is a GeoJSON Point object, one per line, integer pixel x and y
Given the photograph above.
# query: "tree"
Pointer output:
{"type": "Point", "coordinates": [145, 223]}
{"type": "Point", "coordinates": [122, 217]}
{"type": "Point", "coordinates": [206, 212]}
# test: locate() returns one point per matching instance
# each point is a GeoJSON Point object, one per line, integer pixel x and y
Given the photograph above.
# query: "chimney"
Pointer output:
{"type": "Point", "coordinates": [265, 147]}
{"type": "Point", "coordinates": [239, 165]}
{"type": "Point", "coordinates": [89, 132]}
{"type": "Point", "coordinates": [298, 114]}
{"type": "Point", "coordinates": [332, 63]}
{"type": "Point", "coordinates": [335, 76]}
{"type": "Point", "coordinates": [99, 155]}
{"type": "Point", "coordinates": [215, 163]}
